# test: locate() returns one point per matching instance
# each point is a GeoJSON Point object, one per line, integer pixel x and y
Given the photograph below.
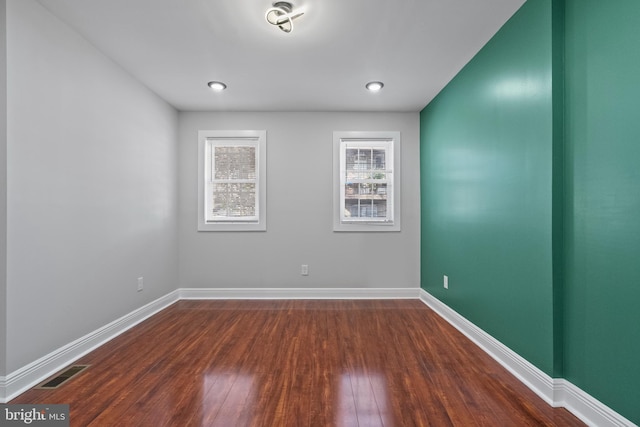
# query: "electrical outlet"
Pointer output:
{"type": "Point", "coordinates": [446, 282]}
{"type": "Point", "coordinates": [304, 270]}
{"type": "Point", "coordinates": [140, 283]}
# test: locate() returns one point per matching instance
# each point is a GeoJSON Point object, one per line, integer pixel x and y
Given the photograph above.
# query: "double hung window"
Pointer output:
{"type": "Point", "coordinates": [232, 190]}
{"type": "Point", "coordinates": [365, 182]}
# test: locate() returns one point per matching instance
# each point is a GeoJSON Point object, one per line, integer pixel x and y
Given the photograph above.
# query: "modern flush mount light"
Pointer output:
{"type": "Point", "coordinates": [374, 86]}
{"type": "Point", "coordinates": [217, 86]}
{"type": "Point", "coordinates": [281, 15]}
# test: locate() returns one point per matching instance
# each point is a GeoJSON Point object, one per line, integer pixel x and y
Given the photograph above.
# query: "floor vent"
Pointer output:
{"type": "Point", "coordinates": [62, 377]}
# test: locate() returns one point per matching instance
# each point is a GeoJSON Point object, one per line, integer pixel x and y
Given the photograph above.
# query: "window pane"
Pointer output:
{"type": "Point", "coordinates": [360, 209]}
{"type": "Point", "coordinates": [365, 208]}
{"type": "Point", "coordinates": [234, 199]}
{"type": "Point", "coordinates": [351, 190]}
{"type": "Point", "coordinates": [380, 208]}
{"type": "Point", "coordinates": [364, 158]}
{"type": "Point", "coordinates": [351, 208]}
{"type": "Point", "coordinates": [366, 190]}
{"type": "Point", "coordinates": [379, 191]}
{"type": "Point", "coordinates": [379, 160]}
{"type": "Point", "coordinates": [365, 200]}
{"type": "Point", "coordinates": [235, 163]}
{"type": "Point", "coordinates": [365, 163]}
{"type": "Point", "coordinates": [351, 158]}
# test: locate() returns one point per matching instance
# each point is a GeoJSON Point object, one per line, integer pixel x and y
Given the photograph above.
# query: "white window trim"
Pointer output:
{"type": "Point", "coordinates": [339, 137]}
{"type": "Point", "coordinates": [258, 137]}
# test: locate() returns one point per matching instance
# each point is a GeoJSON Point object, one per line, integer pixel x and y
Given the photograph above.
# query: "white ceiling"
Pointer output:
{"type": "Point", "coordinates": [175, 47]}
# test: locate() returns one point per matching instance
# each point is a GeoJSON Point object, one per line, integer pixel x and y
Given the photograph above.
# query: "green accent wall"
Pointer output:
{"type": "Point", "coordinates": [530, 181]}
{"type": "Point", "coordinates": [602, 335]}
{"type": "Point", "coordinates": [487, 188]}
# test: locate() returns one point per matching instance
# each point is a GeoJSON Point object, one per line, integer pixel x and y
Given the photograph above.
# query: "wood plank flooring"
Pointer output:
{"type": "Point", "coordinates": [296, 363]}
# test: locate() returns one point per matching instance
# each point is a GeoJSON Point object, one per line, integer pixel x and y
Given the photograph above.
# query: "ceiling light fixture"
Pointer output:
{"type": "Point", "coordinates": [282, 15]}
{"type": "Point", "coordinates": [374, 86]}
{"type": "Point", "coordinates": [217, 86]}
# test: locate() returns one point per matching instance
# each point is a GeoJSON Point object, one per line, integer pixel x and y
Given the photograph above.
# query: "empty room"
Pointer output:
{"type": "Point", "coordinates": [319, 213]}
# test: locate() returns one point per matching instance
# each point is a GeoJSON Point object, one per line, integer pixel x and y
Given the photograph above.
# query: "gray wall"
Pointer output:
{"type": "Point", "coordinates": [92, 188]}
{"type": "Point", "coordinates": [3, 187]}
{"type": "Point", "coordinates": [299, 209]}
{"type": "Point", "coordinates": [94, 198]}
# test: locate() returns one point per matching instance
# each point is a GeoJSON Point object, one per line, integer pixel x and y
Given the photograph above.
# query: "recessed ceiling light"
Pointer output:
{"type": "Point", "coordinates": [374, 86]}
{"type": "Point", "coordinates": [217, 86]}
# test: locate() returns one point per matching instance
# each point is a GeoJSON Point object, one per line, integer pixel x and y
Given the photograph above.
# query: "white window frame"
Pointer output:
{"type": "Point", "coordinates": [254, 138]}
{"type": "Point", "coordinates": [391, 142]}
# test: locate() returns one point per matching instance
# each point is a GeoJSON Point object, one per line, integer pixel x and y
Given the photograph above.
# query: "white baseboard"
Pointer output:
{"type": "Point", "coordinates": [26, 377]}
{"type": "Point", "coordinates": [3, 390]}
{"type": "Point", "coordinates": [532, 377]}
{"type": "Point", "coordinates": [586, 407]}
{"type": "Point", "coordinates": [299, 293]}
{"type": "Point", "coordinates": [556, 392]}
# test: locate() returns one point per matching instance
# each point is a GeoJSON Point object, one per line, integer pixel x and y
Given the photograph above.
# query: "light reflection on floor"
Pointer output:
{"type": "Point", "coordinates": [360, 399]}
{"type": "Point", "coordinates": [226, 398]}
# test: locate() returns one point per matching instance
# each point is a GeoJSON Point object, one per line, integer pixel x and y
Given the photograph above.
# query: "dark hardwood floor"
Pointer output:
{"type": "Point", "coordinates": [296, 363]}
